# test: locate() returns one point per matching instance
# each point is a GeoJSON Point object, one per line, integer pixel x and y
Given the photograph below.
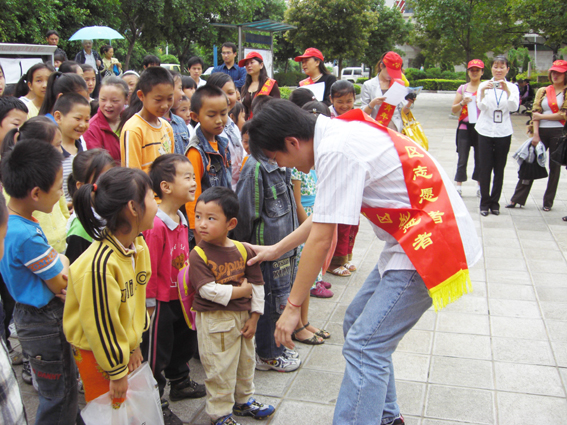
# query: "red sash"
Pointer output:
{"type": "Point", "coordinates": [386, 111]}
{"type": "Point", "coordinates": [427, 231]}
{"type": "Point", "coordinates": [306, 82]}
{"type": "Point", "coordinates": [266, 88]}
{"type": "Point", "coordinates": [552, 100]}
{"type": "Point", "coordinates": [465, 110]}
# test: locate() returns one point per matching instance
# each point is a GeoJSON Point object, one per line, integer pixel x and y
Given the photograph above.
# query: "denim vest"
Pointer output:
{"type": "Point", "coordinates": [180, 133]}
{"type": "Point", "coordinates": [215, 164]}
{"type": "Point", "coordinates": [267, 206]}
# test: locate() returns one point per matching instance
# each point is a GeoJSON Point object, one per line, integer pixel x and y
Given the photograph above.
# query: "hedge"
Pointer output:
{"type": "Point", "coordinates": [362, 80]}
{"type": "Point", "coordinates": [285, 92]}
{"type": "Point", "coordinates": [289, 78]}
{"type": "Point", "coordinates": [357, 88]}
{"type": "Point", "coordinates": [438, 84]}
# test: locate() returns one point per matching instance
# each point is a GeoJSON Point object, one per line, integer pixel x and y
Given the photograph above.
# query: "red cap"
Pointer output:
{"type": "Point", "coordinates": [559, 66]}
{"type": "Point", "coordinates": [312, 52]}
{"type": "Point", "coordinates": [475, 63]}
{"type": "Point", "coordinates": [394, 64]}
{"type": "Point", "coordinates": [251, 55]}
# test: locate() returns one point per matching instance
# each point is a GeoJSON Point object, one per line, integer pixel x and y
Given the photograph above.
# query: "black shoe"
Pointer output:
{"type": "Point", "coordinates": [26, 373]}
{"type": "Point", "coordinates": [169, 418]}
{"type": "Point", "coordinates": [186, 388]}
{"type": "Point", "coordinates": [512, 205]}
{"type": "Point", "coordinates": [495, 212]}
{"type": "Point", "coordinates": [483, 213]}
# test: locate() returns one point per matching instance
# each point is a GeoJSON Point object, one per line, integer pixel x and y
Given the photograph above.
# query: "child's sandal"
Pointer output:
{"type": "Point", "coordinates": [340, 271]}
{"type": "Point", "coordinates": [350, 267]}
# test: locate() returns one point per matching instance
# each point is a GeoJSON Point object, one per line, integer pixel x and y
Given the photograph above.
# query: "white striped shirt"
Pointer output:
{"type": "Point", "coordinates": [358, 166]}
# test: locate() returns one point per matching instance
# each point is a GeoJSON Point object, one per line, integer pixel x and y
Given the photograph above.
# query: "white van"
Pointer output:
{"type": "Point", "coordinates": [353, 73]}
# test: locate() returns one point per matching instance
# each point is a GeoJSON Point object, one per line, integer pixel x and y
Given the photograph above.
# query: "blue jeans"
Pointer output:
{"type": "Point", "coordinates": [40, 331]}
{"type": "Point", "coordinates": [382, 312]}
{"type": "Point", "coordinates": [278, 277]}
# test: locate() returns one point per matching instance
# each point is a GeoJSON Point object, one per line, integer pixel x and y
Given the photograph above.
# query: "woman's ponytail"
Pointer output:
{"type": "Point", "coordinates": [83, 204]}
{"type": "Point", "coordinates": [9, 141]}
{"type": "Point", "coordinates": [22, 88]}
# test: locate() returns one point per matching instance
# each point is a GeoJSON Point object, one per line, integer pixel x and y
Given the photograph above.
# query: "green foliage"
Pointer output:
{"type": "Point", "coordinates": [169, 59]}
{"type": "Point", "coordinates": [361, 80]}
{"type": "Point", "coordinates": [289, 78]}
{"type": "Point", "coordinates": [339, 28]}
{"type": "Point", "coordinates": [413, 74]}
{"type": "Point", "coordinates": [285, 92]}
{"type": "Point", "coordinates": [357, 88]}
{"type": "Point", "coordinates": [456, 31]}
{"type": "Point", "coordinates": [433, 72]}
{"type": "Point", "coordinates": [439, 84]}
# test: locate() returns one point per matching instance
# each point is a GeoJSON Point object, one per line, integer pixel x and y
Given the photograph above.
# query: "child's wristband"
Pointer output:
{"type": "Point", "coordinates": [292, 304]}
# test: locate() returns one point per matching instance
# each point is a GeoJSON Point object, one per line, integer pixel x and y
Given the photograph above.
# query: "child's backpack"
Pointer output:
{"type": "Point", "coordinates": [187, 292]}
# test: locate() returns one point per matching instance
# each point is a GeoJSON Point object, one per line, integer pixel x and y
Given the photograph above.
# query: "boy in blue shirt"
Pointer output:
{"type": "Point", "coordinates": [36, 276]}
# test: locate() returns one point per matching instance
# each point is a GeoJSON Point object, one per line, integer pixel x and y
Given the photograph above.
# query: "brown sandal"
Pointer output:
{"type": "Point", "coordinates": [314, 340]}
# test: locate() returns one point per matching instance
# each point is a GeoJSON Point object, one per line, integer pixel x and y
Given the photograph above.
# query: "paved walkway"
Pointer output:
{"type": "Point", "coordinates": [497, 356]}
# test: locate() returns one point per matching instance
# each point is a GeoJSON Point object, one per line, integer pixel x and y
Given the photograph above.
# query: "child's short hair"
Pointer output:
{"type": "Point", "coordinates": [9, 103]}
{"type": "Point", "coordinates": [224, 198]}
{"type": "Point", "coordinates": [301, 96]}
{"type": "Point", "coordinates": [40, 127]}
{"type": "Point", "coordinates": [181, 99]}
{"type": "Point", "coordinates": [116, 82]}
{"type": "Point", "coordinates": [317, 108]}
{"type": "Point", "coordinates": [341, 88]}
{"type": "Point", "coordinates": [153, 76]}
{"type": "Point", "coordinates": [32, 163]}
{"type": "Point", "coordinates": [219, 79]}
{"type": "Point", "coordinates": [164, 169]}
{"type": "Point", "coordinates": [68, 101]}
{"type": "Point", "coordinates": [236, 110]}
{"type": "Point", "coordinates": [59, 57]}
{"type": "Point", "coordinates": [87, 167]}
{"type": "Point", "coordinates": [69, 67]}
{"type": "Point", "coordinates": [60, 83]}
{"type": "Point", "coordinates": [176, 76]}
{"type": "Point", "coordinates": [195, 60]}
{"type": "Point", "coordinates": [205, 92]}
{"type": "Point", "coordinates": [3, 209]}
{"type": "Point", "coordinates": [151, 60]}
{"type": "Point", "coordinates": [259, 102]}
{"type": "Point", "coordinates": [109, 200]}
{"type": "Point", "coordinates": [188, 83]}
{"type": "Point", "coordinates": [86, 68]}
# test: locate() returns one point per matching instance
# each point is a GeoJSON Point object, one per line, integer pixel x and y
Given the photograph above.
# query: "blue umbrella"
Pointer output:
{"type": "Point", "coordinates": [96, 33]}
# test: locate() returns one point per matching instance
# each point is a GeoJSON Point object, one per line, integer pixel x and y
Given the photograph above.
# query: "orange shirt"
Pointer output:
{"type": "Point", "coordinates": [197, 162]}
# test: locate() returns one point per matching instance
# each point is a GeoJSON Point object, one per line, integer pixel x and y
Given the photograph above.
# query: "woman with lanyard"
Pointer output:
{"type": "Point", "coordinates": [257, 81]}
{"type": "Point", "coordinates": [467, 137]}
{"type": "Point", "coordinates": [548, 119]}
{"type": "Point", "coordinates": [497, 99]}
{"type": "Point", "coordinates": [372, 95]}
{"type": "Point", "coordinates": [313, 64]}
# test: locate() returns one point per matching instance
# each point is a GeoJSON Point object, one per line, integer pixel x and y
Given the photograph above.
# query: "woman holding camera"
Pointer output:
{"type": "Point", "coordinates": [496, 100]}
{"type": "Point", "coordinates": [467, 136]}
{"type": "Point", "coordinates": [548, 119]}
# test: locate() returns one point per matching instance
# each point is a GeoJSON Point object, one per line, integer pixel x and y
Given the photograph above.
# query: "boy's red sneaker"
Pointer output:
{"type": "Point", "coordinates": [320, 291]}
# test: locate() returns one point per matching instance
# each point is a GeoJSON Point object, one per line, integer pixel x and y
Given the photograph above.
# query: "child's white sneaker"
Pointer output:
{"type": "Point", "coordinates": [280, 364]}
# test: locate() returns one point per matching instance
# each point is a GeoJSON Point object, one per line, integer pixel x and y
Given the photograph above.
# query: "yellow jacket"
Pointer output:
{"type": "Point", "coordinates": [105, 310]}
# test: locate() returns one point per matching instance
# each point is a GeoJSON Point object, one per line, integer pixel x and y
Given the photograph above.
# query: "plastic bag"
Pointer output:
{"type": "Point", "coordinates": [413, 129]}
{"type": "Point", "coordinates": [141, 407]}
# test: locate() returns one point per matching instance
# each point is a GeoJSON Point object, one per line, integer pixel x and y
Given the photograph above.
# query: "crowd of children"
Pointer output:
{"type": "Point", "coordinates": [102, 221]}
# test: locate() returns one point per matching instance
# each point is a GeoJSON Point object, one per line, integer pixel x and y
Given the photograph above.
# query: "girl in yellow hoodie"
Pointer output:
{"type": "Point", "coordinates": [105, 310]}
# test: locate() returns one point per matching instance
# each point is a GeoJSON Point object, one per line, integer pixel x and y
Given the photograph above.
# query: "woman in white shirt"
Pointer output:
{"type": "Point", "coordinates": [497, 99]}
{"type": "Point", "coordinates": [548, 119]}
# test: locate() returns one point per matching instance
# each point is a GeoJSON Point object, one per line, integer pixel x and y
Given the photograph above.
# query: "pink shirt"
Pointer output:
{"type": "Point", "coordinates": [168, 242]}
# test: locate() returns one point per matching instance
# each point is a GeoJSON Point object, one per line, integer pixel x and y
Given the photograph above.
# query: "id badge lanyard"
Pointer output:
{"type": "Point", "coordinates": [497, 118]}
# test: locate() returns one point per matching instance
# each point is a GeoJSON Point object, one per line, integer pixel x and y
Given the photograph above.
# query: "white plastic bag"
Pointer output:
{"type": "Point", "coordinates": [141, 407]}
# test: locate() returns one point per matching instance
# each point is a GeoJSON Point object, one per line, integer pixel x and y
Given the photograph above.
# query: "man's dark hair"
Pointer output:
{"type": "Point", "coordinates": [68, 101]}
{"type": "Point", "coordinates": [277, 120]}
{"type": "Point", "coordinates": [153, 76]}
{"type": "Point", "coordinates": [58, 56]}
{"type": "Point", "coordinates": [259, 102]}
{"type": "Point", "coordinates": [301, 96]}
{"type": "Point", "coordinates": [9, 103]}
{"type": "Point", "coordinates": [69, 67]}
{"type": "Point", "coordinates": [188, 83]}
{"type": "Point", "coordinates": [224, 198]}
{"type": "Point", "coordinates": [50, 33]}
{"type": "Point", "coordinates": [195, 60]}
{"type": "Point", "coordinates": [164, 169]}
{"type": "Point", "coordinates": [205, 92]}
{"type": "Point", "coordinates": [230, 45]}
{"type": "Point", "coordinates": [32, 163]}
{"type": "Point", "coordinates": [151, 60]}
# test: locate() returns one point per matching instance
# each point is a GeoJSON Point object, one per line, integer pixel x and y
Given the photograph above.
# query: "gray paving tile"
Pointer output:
{"type": "Point", "coordinates": [460, 404]}
{"type": "Point", "coordinates": [531, 379]}
{"type": "Point", "coordinates": [560, 351]}
{"type": "Point", "coordinates": [326, 357]}
{"type": "Point", "coordinates": [416, 341]}
{"type": "Point", "coordinates": [411, 397]}
{"type": "Point", "coordinates": [475, 324]}
{"type": "Point", "coordinates": [461, 372]}
{"type": "Point", "coordinates": [521, 409]}
{"type": "Point", "coordinates": [554, 310]}
{"type": "Point", "coordinates": [544, 266]}
{"type": "Point", "coordinates": [508, 276]}
{"type": "Point", "coordinates": [511, 327]}
{"type": "Point", "coordinates": [514, 308]}
{"type": "Point", "coordinates": [550, 279]}
{"type": "Point", "coordinates": [522, 351]}
{"type": "Point", "coordinates": [315, 386]}
{"type": "Point", "coordinates": [506, 291]}
{"type": "Point", "coordinates": [461, 345]}
{"type": "Point", "coordinates": [550, 293]}
{"type": "Point", "coordinates": [557, 330]}
{"type": "Point", "coordinates": [469, 304]}
{"type": "Point", "coordinates": [300, 412]}
{"type": "Point", "coordinates": [411, 367]}
{"type": "Point", "coordinates": [428, 321]}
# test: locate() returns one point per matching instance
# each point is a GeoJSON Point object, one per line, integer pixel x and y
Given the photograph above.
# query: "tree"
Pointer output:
{"type": "Point", "coordinates": [547, 18]}
{"type": "Point", "coordinates": [339, 28]}
{"type": "Point", "coordinates": [457, 31]}
{"type": "Point", "coordinates": [390, 30]}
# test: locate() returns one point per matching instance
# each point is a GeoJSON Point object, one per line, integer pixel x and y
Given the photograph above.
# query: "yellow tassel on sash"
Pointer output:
{"type": "Point", "coordinates": [451, 289]}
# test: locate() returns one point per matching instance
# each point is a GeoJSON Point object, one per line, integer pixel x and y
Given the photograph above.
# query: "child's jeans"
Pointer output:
{"type": "Point", "coordinates": [228, 359]}
{"type": "Point", "coordinates": [278, 278]}
{"type": "Point", "coordinates": [40, 331]}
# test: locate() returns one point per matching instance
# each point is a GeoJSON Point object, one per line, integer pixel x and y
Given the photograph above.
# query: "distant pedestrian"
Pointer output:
{"type": "Point", "coordinates": [229, 54]}
{"type": "Point", "coordinates": [52, 38]}
{"type": "Point", "coordinates": [313, 64]}
{"type": "Point", "coordinates": [195, 67]}
{"type": "Point", "coordinates": [257, 81]}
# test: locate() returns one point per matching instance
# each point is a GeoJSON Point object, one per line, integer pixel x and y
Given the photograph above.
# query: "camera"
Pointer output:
{"type": "Point", "coordinates": [496, 84]}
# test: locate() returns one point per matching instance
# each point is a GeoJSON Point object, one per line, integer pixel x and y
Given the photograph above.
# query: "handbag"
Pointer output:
{"type": "Point", "coordinates": [413, 129]}
{"type": "Point", "coordinates": [531, 171]}
{"type": "Point", "coordinates": [117, 71]}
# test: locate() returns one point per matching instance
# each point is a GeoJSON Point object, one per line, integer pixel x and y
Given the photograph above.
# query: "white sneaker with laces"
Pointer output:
{"type": "Point", "coordinates": [280, 364]}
